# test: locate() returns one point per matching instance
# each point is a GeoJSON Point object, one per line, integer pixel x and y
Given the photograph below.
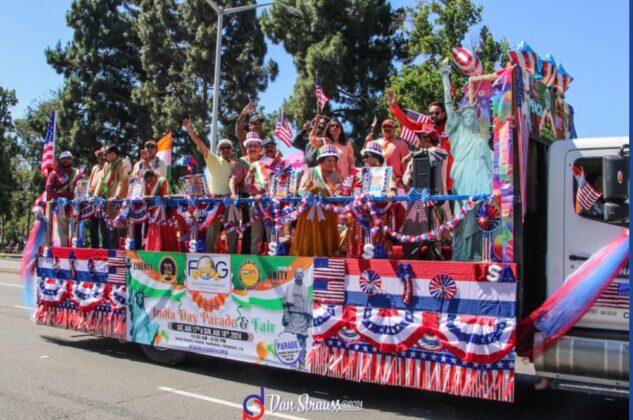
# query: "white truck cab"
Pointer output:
{"type": "Point", "coordinates": [596, 352]}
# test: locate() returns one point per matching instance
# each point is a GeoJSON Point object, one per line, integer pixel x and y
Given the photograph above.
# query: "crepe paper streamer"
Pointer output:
{"type": "Point", "coordinates": [561, 311]}
{"type": "Point", "coordinates": [547, 70]}
{"type": "Point", "coordinates": [524, 57]}
{"type": "Point", "coordinates": [467, 61]}
{"type": "Point", "coordinates": [563, 80]}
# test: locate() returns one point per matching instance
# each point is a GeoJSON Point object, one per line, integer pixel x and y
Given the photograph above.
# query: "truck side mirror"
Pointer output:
{"type": "Point", "coordinates": [615, 188]}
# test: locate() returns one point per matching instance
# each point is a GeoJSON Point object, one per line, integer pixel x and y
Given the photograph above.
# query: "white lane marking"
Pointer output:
{"type": "Point", "coordinates": [20, 307]}
{"type": "Point", "coordinates": [222, 402]}
{"type": "Point", "coordinates": [44, 357]}
{"type": "Point", "coordinates": [11, 285]}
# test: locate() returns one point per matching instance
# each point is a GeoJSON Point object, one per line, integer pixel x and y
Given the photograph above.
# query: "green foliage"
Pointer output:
{"type": "Point", "coordinates": [435, 27]}
{"type": "Point", "coordinates": [8, 149]}
{"type": "Point", "coordinates": [349, 43]}
{"type": "Point", "coordinates": [100, 67]}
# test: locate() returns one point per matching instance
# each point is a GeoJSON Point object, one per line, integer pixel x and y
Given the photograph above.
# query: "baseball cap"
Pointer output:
{"type": "Point", "coordinates": [388, 121]}
{"type": "Point", "coordinates": [65, 154]}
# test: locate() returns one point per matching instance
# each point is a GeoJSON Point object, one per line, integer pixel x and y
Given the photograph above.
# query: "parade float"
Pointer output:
{"type": "Point", "coordinates": [444, 326]}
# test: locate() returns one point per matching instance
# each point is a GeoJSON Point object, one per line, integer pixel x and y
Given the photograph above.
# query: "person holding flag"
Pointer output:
{"type": "Point", "coordinates": [321, 98]}
{"type": "Point", "coordinates": [282, 129]}
{"type": "Point", "coordinates": [220, 167]}
{"type": "Point", "coordinates": [60, 184]}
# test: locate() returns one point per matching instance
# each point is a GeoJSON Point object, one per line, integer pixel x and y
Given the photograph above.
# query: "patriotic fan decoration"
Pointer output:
{"type": "Point", "coordinates": [442, 287]}
{"type": "Point", "coordinates": [370, 282]}
{"type": "Point", "coordinates": [488, 217]}
{"type": "Point", "coordinates": [467, 61]}
{"type": "Point", "coordinates": [524, 57]}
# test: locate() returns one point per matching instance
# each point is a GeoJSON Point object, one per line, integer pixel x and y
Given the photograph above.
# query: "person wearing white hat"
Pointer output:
{"type": "Point", "coordinates": [248, 180]}
{"type": "Point", "coordinates": [317, 232]}
{"type": "Point", "coordinates": [60, 183]}
{"type": "Point", "coordinates": [220, 166]}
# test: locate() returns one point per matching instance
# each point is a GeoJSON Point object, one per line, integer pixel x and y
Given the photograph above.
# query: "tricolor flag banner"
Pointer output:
{"type": "Point", "coordinates": [164, 152]}
{"type": "Point", "coordinates": [74, 292]}
{"type": "Point", "coordinates": [456, 336]}
{"type": "Point", "coordinates": [586, 195]}
{"type": "Point", "coordinates": [48, 153]}
{"type": "Point", "coordinates": [283, 130]}
{"type": "Point", "coordinates": [321, 98]}
{"type": "Point", "coordinates": [408, 135]}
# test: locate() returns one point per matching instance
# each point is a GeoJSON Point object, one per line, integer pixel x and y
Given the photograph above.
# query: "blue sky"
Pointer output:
{"type": "Point", "coordinates": [588, 37]}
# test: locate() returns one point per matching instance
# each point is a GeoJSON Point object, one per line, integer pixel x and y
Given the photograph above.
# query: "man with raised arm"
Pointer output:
{"type": "Point", "coordinates": [220, 167]}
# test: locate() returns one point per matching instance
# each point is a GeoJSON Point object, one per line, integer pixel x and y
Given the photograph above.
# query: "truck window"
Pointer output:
{"type": "Point", "coordinates": [588, 199]}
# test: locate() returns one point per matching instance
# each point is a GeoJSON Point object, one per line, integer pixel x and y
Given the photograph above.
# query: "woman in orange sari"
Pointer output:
{"type": "Point", "coordinates": [317, 232]}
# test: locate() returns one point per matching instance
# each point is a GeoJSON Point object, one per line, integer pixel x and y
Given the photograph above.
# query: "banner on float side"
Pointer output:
{"type": "Point", "coordinates": [246, 308]}
{"type": "Point", "coordinates": [82, 290]}
{"type": "Point", "coordinates": [455, 335]}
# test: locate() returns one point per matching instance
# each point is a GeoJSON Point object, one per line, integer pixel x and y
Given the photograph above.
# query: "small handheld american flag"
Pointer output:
{"type": "Point", "coordinates": [586, 195]}
{"type": "Point", "coordinates": [320, 95]}
{"type": "Point", "coordinates": [408, 135]}
{"type": "Point", "coordinates": [48, 153]}
{"type": "Point", "coordinates": [282, 130]}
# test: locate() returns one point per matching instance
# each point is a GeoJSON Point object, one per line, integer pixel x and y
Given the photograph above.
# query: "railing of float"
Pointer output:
{"type": "Point", "coordinates": [275, 212]}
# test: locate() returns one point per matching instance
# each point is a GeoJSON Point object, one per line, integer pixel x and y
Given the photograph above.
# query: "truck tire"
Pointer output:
{"type": "Point", "coordinates": [163, 356]}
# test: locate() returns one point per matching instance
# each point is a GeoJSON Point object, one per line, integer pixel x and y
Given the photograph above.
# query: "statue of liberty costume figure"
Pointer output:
{"type": "Point", "coordinates": [471, 171]}
{"type": "Point", "coordinates": [142, 329]}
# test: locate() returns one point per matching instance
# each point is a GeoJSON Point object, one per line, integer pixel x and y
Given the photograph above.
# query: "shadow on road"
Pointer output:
{"type": "Point", "coordinates": [529, 404]}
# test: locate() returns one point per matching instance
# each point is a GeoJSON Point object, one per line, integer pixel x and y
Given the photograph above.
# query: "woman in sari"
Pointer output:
{"type": "Point", "coordinates": [161, 234]}
{"type": "Point", "coordinates": [317, 232]}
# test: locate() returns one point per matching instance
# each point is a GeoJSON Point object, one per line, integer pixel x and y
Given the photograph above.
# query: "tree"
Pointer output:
{"type": "Point", "coordinates": [8, 149]}
{"type": "Point", "coordinates": [101, 67]}
{"type": "Point", "coordinates": [435, 27]}
{"type": "Point", "coordinates": [349, 43]}
{"type": "Point", "coordinates": [177, 59]}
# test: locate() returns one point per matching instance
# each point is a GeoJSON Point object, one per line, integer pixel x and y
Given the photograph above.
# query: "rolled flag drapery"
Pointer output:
{"type": "Point", "coordinates": [561, 311]}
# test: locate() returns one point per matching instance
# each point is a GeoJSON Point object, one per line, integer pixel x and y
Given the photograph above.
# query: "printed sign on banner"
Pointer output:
{"type": "Point", "coordinates": [248, 308]}
{"type": "Point", "coordinates": [208, 273]}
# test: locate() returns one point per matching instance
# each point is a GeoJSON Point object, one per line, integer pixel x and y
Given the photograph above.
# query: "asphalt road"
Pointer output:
{"type": "Point", "coordinates": [53, 373]}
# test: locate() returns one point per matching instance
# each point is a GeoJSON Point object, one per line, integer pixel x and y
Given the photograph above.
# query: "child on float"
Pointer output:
{"type": "Point", "coordinates": [418, 218]}
{"type": "Point", "coordinates": [316, 234]}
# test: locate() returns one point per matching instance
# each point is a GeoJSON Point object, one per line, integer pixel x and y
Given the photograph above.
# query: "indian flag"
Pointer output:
{"type": "Point", "coordinates": [164, 152]}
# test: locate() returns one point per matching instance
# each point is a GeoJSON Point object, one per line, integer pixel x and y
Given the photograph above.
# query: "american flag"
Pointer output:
{"type": "Point", "coordinates": [283, 130]}
{"type": "Point", "coordinates": [117, 266]}
{"type": "Point", "coordinates": [320, 95]}
{"type": "Point", "coordinates": [48, 154]}
{"type": "Point", "coordinates": [616, 295]}
{"type": "Point", "coordinates": [329, 281]}
{"type": "Point", "coordinates": [586, 195]}
{"type": "Point", "coordinates": [408, 135]}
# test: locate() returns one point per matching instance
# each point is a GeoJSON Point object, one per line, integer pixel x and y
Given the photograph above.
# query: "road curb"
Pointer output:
{"type": "Point", "coordinates": [9, 270]}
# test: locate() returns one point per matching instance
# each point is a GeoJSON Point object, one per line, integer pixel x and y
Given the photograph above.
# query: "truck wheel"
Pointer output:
{"type": "Point", "coordinates": [163, 356]}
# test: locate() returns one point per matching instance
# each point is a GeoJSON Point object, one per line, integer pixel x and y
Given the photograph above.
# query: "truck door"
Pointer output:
{"type": "Point", "coordinates": [585, 232]}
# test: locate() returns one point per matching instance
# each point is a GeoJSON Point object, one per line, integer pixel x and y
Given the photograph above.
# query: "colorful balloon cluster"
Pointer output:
{"type": "Point", "coordinates": [543, 69]}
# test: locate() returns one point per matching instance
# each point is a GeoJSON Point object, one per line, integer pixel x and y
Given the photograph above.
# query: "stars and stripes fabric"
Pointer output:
{"type": "Point", "coordinates": [282, 129]}
{"type": "Point", "coordinates": [586, 195]}
{"type": "Point", "coordinates": [616, 295]}
{"type": "Point", "coordinates": [409, 135]}
{"type": "Point", "coordinates": [321, 98]}
{"type": "Point", "coordinates": [48, 153]}
{"type": "Point", "coordinates": [329, 281]}
{"type": "Point", "coordinates": [456, 335]}
{"type": "Point", "coordinates": [83, 290]}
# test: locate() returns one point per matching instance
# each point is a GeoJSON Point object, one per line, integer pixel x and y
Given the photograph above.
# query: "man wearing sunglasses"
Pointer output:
{"type": "Point", "coordinates": [394, 149]}
{"type": "Point", "coordinates": [255, 124]}
{"type": "Point", "coordinates": [220, 166]}
{"type": "Point", "coordinates": [437, 113]}
{"type": "Point", "coordinates": [149, 160]}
